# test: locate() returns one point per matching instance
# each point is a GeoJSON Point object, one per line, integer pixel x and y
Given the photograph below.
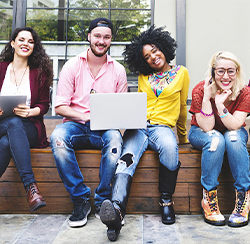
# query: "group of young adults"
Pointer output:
{"type": "Point", "coordinates": [219, 108]}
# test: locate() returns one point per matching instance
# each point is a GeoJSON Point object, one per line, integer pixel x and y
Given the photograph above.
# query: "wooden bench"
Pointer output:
{"type": "Point", "coordinates": [144, 194]}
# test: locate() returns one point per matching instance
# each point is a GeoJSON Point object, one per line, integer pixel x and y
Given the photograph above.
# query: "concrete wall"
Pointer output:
{"type": "Point", "coordinates": [211, 26]}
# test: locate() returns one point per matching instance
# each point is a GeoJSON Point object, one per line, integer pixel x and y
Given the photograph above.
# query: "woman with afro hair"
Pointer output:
{"type": "Point", "coordinates": [166, 86]}
{"type": "Point", "coordinates": [25, 69]}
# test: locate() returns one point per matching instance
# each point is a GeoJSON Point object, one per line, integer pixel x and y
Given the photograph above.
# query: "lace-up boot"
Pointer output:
{"type": "Point", "coordinates": [210, 208]}
{"type": "Point", "coordinates": [34, 198]}
{"type": "Point", "coordinates": [239, 216]}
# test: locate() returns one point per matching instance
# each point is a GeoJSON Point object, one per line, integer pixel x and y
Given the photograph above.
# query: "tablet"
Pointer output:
{"type": "Point", "coordinates": [9, 102]}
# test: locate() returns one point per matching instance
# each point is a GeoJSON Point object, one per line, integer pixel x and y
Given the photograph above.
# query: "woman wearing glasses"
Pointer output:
{"type": "Point", "coordinates": [220, 105]}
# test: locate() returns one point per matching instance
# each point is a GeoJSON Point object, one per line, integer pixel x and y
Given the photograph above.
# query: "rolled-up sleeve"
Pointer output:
{"type": "Point", "coordinates": [65, 86]}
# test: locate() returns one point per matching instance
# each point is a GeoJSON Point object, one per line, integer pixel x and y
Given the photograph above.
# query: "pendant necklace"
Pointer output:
{"type": "Point", "coordinates": [17, 86]}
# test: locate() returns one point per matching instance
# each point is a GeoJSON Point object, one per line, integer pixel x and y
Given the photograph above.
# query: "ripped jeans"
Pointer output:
{"type": "Point", "coordinates": [156, 137]}
{"type": "Point", "coordinates": [213, 145]}
{"type": "Point", "coordinates": [71, 136]}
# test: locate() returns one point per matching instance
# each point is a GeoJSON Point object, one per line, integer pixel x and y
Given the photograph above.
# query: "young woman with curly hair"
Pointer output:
{"type": "Point", "coordinates": [219, 109]}
{"type": "Point", "coordinates": [166, 86]}
{"type": "Point", "coordinates": [25, 69]}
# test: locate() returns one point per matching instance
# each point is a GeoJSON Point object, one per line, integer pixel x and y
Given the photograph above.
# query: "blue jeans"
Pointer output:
{"type": "Point", "coordinates": [17, 135]}
{"type": "Point", "coordinates": [156, 137]}
{"type": "Point", "coordinates": [71, 136]}
{"type": "Point", "coordinates": [214, 145]}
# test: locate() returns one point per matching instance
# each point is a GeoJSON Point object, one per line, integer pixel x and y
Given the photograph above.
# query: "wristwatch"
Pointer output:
{"type": "Point", "coordinates": [225, 110]}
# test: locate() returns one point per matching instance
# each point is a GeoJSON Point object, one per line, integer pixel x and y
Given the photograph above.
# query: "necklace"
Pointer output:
{"type": "Point", "coordinates": [17, 86]}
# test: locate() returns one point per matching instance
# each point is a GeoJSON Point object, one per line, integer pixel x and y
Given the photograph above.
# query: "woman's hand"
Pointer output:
{"type": "Point", "coordinates": [221, 97]}
{"type": "Point", "coordinates": [208, 88]}
{"type": "Point", "coordinates": [1, 112]}
{"type": "Point", "coordinates": [22, 110]}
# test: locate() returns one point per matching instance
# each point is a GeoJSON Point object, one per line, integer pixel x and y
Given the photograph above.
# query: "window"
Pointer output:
{"type": "Point", "coordinates": [57, 20]}
{"type": "Point", "coordinates": [6, 13]}
{"type": "Point", "coordinates": [63, 25]}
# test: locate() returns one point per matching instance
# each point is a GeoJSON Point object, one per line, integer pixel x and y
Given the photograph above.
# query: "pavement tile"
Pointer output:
{"type": "Point", "coordinates": [96, 232]}
{"type": "Point", "coordinates": [43, 229]}
{"type": "Point", "coordinates": [13, 226]}
{"type": "Point", "coordinates": [138, 229]}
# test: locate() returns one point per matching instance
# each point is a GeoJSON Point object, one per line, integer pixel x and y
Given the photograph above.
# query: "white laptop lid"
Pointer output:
{"type": "Point", "coordinates": [118, 110]}
{"type": "Point", "coordinates": [9, 102]}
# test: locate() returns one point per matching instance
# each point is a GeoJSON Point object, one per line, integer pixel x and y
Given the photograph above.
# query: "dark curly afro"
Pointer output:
{"type": "Point", "coordinates": [156, 36]}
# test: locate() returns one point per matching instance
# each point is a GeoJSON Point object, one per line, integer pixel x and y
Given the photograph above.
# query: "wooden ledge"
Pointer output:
{"type": "Point", "coordinates": [187, 148]}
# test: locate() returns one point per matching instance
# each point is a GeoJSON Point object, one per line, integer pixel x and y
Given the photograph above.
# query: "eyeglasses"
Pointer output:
{"type": "Point", "coordinates": [222, 71]}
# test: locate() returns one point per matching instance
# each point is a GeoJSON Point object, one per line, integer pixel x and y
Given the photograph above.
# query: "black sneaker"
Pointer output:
{"type": "Point", "coordinates": [80, 213]}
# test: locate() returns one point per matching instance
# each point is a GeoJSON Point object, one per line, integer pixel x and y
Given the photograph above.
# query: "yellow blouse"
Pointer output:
{"type": "Point", "coordinates": [170, 107]}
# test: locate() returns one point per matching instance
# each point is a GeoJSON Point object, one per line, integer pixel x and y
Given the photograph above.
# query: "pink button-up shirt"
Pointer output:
{"type": "Point", "coordinates": [76, 81]}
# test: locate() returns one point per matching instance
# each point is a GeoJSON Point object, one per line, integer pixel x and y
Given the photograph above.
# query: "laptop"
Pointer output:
{"type": "Point", "coordinates": [118, 110]}
{"type": "Point", "coordinates": [9, 102]}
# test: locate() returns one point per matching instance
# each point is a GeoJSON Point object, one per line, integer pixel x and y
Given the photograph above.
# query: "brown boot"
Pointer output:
{"type": "Point", "coordinates": [34, 197]}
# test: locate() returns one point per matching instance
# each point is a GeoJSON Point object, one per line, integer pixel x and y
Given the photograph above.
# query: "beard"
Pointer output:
{"type": "Point", "coordinates": [99, 54]}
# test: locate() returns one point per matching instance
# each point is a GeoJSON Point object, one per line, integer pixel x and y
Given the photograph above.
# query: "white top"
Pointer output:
{"type": "Point", "coordinates": [9, 88]}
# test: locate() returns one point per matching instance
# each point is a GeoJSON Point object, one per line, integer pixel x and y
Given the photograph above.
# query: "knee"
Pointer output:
{"type": "Point", "coordinates": [234, 139]}
{"type": "Point", "coordinates": [57, 138]}
{"type": "Point", "coordinates": [216, 141]}
{"type": "Point", "coordinates": [113, 136]}
{"type": "Point", "coordinates": [125, 162]}
{"type": "Point", "coordinates": [126, 159]}
{"type": "Point", "coordinates": [15, 122]}
{"type": "Point", "coordinates": [113, 139]}
{"type": "Point", "coordinates": [169, 143]}
{"type": "Point", "coordinates": [4, 143]}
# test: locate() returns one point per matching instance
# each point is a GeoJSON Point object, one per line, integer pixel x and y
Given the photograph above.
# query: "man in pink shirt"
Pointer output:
{"type": "Point", "coordinates": [92, 70]}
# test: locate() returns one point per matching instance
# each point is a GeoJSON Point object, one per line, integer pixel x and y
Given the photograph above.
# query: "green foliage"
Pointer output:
{"type": "Point", "coordinates": [126, 22]}
{"type": "Point", "coordinates": [5, 25]}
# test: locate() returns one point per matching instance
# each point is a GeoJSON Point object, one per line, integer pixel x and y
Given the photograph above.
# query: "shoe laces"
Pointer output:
{"type": "Point", "coordinates": [213, 201]}
{"type": "Point", "coordinates": [32, 190]}
{"type": "Point", "coordinates": [240, 202]}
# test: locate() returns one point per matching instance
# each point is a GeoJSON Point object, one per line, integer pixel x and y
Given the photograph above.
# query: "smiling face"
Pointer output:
{"type": "Point", "coordinates": [23, 44]}
{"type": "Point", "coordinates": [155, 58]}
{"type": "Point", "coordinates": [100, 40]}
{"type": "Point", "coordinates": [225, 81]}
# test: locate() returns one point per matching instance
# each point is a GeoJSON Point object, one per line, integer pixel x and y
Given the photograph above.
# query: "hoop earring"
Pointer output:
{"type": "Point", "coordinates": [12, 49]}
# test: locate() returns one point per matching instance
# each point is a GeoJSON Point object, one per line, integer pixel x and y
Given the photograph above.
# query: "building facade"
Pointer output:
{"type": "Point", "coordinates": [200, 27]}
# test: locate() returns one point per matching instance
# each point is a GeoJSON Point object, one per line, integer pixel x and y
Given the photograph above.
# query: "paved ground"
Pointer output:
{"type": "Point", "coordinates": [138, 229]}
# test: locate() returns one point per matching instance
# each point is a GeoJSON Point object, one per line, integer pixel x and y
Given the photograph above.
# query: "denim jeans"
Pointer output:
{"type": "Point", "coordinates": [214, 145]}
{"type": "Point", "coordinates": [71, 136]}
{"type": "Point", "coordinates": [17, 135]}
{"type": "Point", "coordinates": [156, 137]}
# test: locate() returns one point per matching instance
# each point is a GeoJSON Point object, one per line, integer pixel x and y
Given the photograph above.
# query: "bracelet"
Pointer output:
{"type": "Point", "coordinates": [224, 115]}
{"type": "Point", "coordinates": [207, 115]}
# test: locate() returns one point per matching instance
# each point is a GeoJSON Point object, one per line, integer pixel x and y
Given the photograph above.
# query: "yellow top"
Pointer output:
{"type": "Point", "coordinates": [170, 107]}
